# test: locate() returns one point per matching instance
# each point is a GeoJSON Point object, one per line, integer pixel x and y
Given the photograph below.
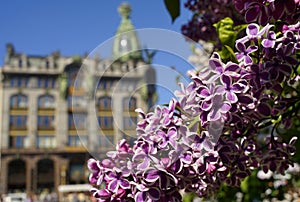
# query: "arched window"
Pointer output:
{"type": "Point", "coordinates": [46, 101]}
{"type": "Point", "coordinates": [18, 101]}
{"type": "Point", "coordinates": [104, 103]}
{"type": "Point", "coordinates": [129, 103]}
{"type": "Point", "coordinates": [45, 174]}
{"type": "Point", "coordinates": [16, 176]}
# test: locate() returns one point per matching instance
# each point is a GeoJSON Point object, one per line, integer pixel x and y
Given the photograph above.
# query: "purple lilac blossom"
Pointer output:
{"type": "Point", "coordinates": [262, 12]}
{"type": "Point", "coordinates": [210, 134]}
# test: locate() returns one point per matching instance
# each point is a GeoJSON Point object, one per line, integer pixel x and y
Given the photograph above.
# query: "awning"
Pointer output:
{"type": "Point", "coordinates": [74, 188]}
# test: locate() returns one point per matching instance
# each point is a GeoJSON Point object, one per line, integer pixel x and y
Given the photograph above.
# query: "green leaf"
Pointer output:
{"type": "Point", "coordinates": [173, 7]}
{"type": "Point", "coordinates": [232, 55]}
{"type": "Point", "coordinates": [245, 185]}
{"type": "Point", "coordinates": [187, 197]}
{"type": "Point", "coordinates": [298, 69]}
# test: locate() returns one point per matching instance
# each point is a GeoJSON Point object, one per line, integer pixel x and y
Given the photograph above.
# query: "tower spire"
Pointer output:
{"type": "Point", "coordinates": [125, 10]}
{"type": "Point", "coordinates": [126, 41]}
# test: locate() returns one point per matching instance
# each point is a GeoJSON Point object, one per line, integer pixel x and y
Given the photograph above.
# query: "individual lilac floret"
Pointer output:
{"type": "Point", "coordinates": [244, 53]}
{"type": "Point", "coordinates": [230, 69]}
{"type": "Point", "coordinates": [169, 138]}
{"type": "Point", "coordinates": [96, 176]}
{"type": "Point", "coordinates": [117, 179]}
{"type": "Point", "coordinates": [233, 89]}
{"type": "Point", "coordinates": [254, 33]}
{"type": "Point", "coordinates": [217, 108]}
{"type": "Point", "coordinates": [269, 41]}
{"type": "Point", "coordinates": [143, 154]}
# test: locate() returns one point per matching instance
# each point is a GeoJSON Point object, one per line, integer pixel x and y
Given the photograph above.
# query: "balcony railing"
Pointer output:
{"type": "Point", "coordinates": [45, 127]}
{"type": "Point", "coordinates": [16, 127]}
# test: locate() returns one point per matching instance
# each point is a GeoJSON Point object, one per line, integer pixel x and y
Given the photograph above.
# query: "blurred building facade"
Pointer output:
{"type": "Point", "coordinates": [56, 112]}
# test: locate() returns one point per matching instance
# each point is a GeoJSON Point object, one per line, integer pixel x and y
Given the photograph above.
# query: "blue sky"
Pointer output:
{"type": "Point", "coordinates": [37, 27]}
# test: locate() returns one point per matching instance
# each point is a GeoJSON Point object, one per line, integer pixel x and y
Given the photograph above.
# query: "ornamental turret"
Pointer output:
{"type": "Point", "coordinates": [126, 44]}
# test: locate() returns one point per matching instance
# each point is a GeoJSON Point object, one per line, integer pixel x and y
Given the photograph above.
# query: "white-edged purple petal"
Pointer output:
{"type": "Point", "coordinates": [124, 184]}
{"type": "Point", "coordinates": [151, 175]}
{"type": "Point", "coordinates": [231, 97]}
{"type": "Point", "coordinates": [216, 65]}
{"type": "Point", "coordinates": [225, 107]}
{"type": "Point", "coordinates": [240, 47]}
{"type": "Point", "coordinates": [140, 197]}
{"type": "Point", "coordinates": [206, 105]}
{"type": "Point", "coordinates": [113, 186]}
{"type": "Point", "coordinates": [154, 193]}
{"type": "Point", "coordinates": [252, 29]}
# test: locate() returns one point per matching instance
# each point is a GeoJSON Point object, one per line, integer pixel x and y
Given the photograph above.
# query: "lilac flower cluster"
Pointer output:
{"type": "Point", "coordinates": [264, 11]}
{"type": "Point", "coordinates": [167, 157]}
{"type": "Point", "coordinates": [211, 134]}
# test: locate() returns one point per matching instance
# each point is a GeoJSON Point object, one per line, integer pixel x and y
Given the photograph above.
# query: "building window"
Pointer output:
{"type": "Point", "coordinates": [104, 103]}
{"type": "Point", "coordinates": [129, 103]}
{"type": "Point", "coordinates": [77, 121]}
{"type": "Point", "coordinates": [17, 141]}
{"type": "Point", "coordinates": [46, 141]}
{"type": "Point", "coordinates": [105, 84]}
{"type": "Point", "coordinates": [105, 122]}
{"type": "Point", "coordinates": [76, 141]}
{"type": "Point", "coordinates": [47, 64]}
{"type": "Point", "coordinates": [18, 101]}
{"type": "Point", "coordinates": [46, 82]}
{"type": "Point", "coordinates": [129, 123]}
{"type": "Point", "coordinates": [46, 101]}
{"type": "Point", "coordinates": [20, 63]}
{"type": "Point", "coordinates": [45, 122]}
{"type": "Point", "coordinates": [19, 81]}
{"type": "Point", "coordinates": [18, 122]}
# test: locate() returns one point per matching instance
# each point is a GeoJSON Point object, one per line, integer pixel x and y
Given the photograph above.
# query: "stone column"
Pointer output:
{"type": "Point", "coordinates": [3, 175]}
{"type": "Point", "coordinates": [64, 167]}
{"type": "Point", "coordinates": [56, 173]}
{"type": "Point", "coordinates": [92, 128]}
{"type": "Point", "coordinates": [61, 121]}
{"type": "Point", "coordinates": [117, 108]}
{"type": "Point", "coordinates": [59, 165]}
{"type": "Point", "coordinates": [34, 173]}
{"type": "Point", "coordinates": [30, 166]}
{"type": "Point", "coordinates": [5, 118]}
{"type": "Point", "coordinates": [32, 118]}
